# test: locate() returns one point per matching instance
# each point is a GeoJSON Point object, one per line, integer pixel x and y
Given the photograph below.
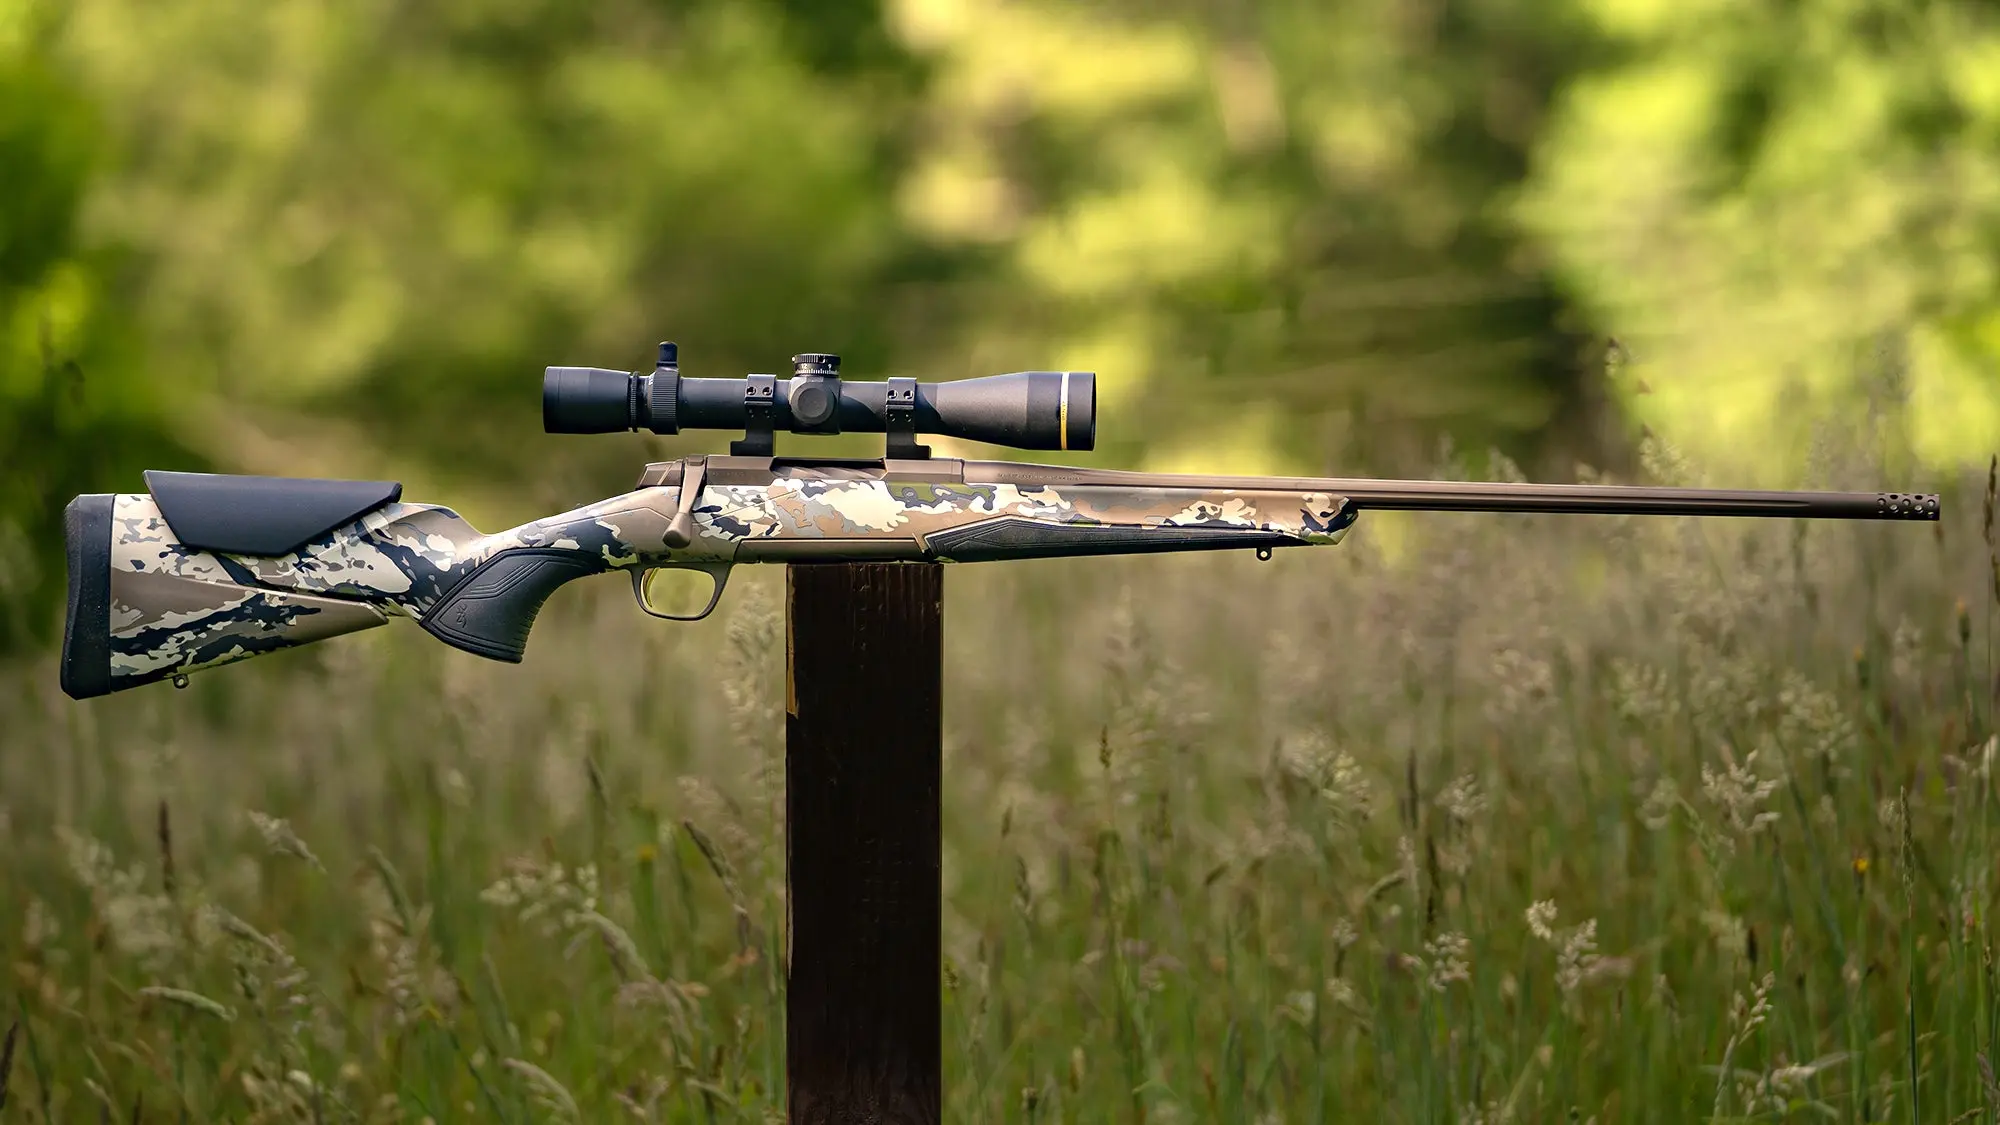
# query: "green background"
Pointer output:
{"type": "Point", "coordinates": [343, 239]}
{"type": "Point", "coordinates": [1471, 819]}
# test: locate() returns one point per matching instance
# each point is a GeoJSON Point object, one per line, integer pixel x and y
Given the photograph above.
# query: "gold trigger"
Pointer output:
{"type": "Point", "coordinates": [717, 572]}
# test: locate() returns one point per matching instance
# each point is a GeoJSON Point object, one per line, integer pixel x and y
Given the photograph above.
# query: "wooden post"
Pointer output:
{"type": "Point", "coordinates": [864, 694]}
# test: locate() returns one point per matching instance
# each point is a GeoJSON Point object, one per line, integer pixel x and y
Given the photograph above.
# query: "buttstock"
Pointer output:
{"type": "Point", "coordinates": [133, 624]}
{"type": "Point", "coordinates": [208, 569]}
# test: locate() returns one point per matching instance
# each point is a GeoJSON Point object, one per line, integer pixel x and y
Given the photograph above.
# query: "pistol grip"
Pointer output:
{"type": "Point", "coordinates": [490, 612]}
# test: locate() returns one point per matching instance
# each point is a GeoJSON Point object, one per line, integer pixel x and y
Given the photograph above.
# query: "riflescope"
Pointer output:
{"type": "Point", "coordinates": [1023, 409]}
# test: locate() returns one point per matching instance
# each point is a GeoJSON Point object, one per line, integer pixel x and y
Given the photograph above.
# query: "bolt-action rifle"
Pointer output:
{"type": "Point", "coordinates": [203, 569]}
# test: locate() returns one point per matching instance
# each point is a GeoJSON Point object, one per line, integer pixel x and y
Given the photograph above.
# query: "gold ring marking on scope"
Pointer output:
{"type": "Point", "coordinates": [1062, 415]}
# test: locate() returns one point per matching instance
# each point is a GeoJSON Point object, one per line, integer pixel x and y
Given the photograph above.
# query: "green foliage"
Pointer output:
{"type": "Point", "coordinates": [425, 206]}
{"type": "Point", "coordinates": [75, 413]}
{"type": "Point", "coordinates": [1762, 201]}
{"type": "Point", "coordinates": [391, 217]}
{"type": "Point", "coordinates": [342, 239]}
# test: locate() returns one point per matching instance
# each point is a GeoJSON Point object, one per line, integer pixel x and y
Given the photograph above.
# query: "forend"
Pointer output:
{"type": "Point", "coordinates": [1046, 410]}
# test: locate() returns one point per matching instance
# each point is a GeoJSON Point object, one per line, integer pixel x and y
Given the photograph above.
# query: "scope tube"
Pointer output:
{"type": "Point", "coordinates": [1046, 410]}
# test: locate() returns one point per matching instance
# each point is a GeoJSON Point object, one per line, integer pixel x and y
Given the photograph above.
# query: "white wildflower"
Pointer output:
{"type": "Point", "coordinates": [1333, 774]}
{"type": "Point", "coordinates": [1576, 949]}
{"type": "Point", "coordinates": [1447, 958]}
{"type": "Point", "coordinates": [1578, 956]}
{"type": "Point", "coordinates": [1306, 755]}
{"type": "Point", "coordinates": [544, 894]}
{"type": "Point", "coordinates": [1812, 721]}
{"type": "Point", "coordinates": [1524, 685]}
{"type": "Point", "coordinates": [1542, 919]}
{"type": "Point", "coordinates": [139, 924]}
{"type": "Point", "coordinates": [1643, 694]}
{"type": "Point", "coordinates": [1462, 800]}
{"type": "Point", "coordinates": [1746, 1015]}
{"type": "Point", "coordinates": [1889, 813]}
{"type": "Point", "coordinates": [1739, 791]}
{"type": "Point", "coordinates": [1342, 993]}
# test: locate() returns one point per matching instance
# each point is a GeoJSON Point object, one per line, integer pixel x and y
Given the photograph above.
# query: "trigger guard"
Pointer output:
{"type": "Point", "coordinates": [719, 572]}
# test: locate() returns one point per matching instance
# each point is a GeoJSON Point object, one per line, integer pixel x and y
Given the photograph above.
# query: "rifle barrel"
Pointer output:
{"type": "Point", "coordinates": [1472, 496]}
{"type": "Point", "coordinates": [1371, 494]}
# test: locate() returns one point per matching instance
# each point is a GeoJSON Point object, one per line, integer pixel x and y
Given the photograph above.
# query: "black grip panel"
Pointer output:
{"type": "Point", "coordinates": [490, 611]}
{"type": "Point", "coordinates": [1014, 537]}
{"type": "Point", "coordinates": [86, 650]}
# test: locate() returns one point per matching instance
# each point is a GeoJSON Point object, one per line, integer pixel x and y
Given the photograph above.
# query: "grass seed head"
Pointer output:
{"type": "Point", "coordinates": [1448, 960]}
{"type": "Point", "coordinates": [548, 1095]}
{"type": "Point", "coordinates": [189, 1000]}
{"type": "Point", "coordinates": [280, 839]}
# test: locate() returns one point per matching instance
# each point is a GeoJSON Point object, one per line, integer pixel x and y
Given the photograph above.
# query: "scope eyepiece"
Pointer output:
{"type": "Point", "coordinates": [1050, 410]}
{"type": "Point", "coordinates": [589, 400]}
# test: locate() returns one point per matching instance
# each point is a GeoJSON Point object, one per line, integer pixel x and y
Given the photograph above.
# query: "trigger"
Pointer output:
{"type": "Point", "coordinates": [717, 573]}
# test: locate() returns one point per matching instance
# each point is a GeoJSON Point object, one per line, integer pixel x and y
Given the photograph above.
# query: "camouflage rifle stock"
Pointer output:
{"type": "Point", "coordinates": [205, 570]}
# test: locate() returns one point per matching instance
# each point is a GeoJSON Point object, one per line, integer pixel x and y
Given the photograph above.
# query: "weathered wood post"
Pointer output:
{"type": "Point", "coordinates": [863, 764]}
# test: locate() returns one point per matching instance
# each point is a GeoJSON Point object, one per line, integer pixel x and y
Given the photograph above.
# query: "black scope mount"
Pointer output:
{"type": "Point", "coordinates": [1023, 409]}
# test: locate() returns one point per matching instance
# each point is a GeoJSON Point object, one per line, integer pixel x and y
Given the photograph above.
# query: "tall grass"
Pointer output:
{"type": "Point", "coordinates": [1527, 819]}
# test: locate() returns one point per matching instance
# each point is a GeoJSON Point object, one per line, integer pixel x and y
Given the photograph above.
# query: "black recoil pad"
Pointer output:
{"type": "Point", "coordinates": [86, 647]}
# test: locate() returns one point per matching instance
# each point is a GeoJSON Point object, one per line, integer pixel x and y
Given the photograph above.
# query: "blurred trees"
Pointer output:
{"type": "Point", "coordinates": [306, 237]}
{"type": "Point", "coordinates": [1781, 206]}
{"type": "Point", "coordinates": [76, 411]}
{"type": "Point", "coordinates": [1274, 215]}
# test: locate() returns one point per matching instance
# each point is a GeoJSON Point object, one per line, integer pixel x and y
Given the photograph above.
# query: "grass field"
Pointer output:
{"type": "Point", "coordinates": [1528, 819]}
